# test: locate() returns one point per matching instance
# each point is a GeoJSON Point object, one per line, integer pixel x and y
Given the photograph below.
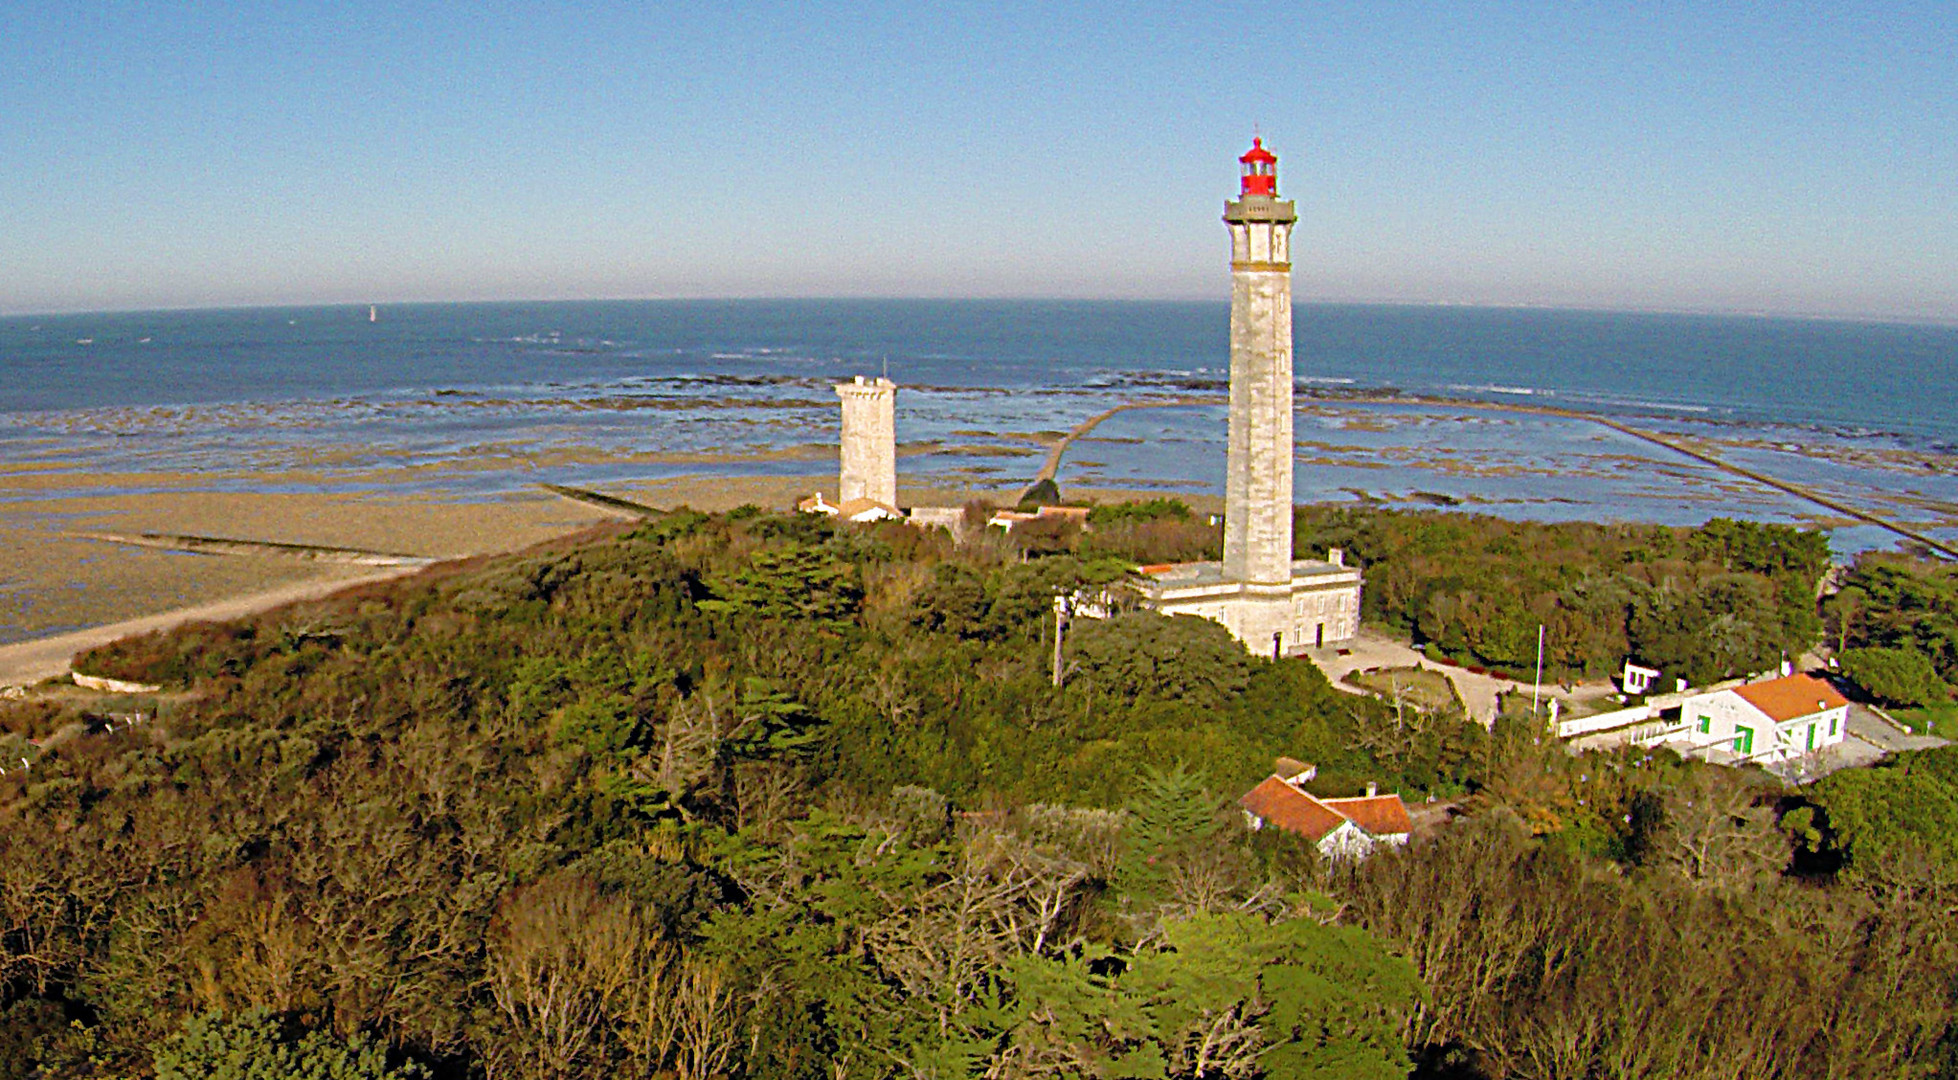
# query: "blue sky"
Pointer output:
{"type": "Point", "coordinates": [1745, 157]}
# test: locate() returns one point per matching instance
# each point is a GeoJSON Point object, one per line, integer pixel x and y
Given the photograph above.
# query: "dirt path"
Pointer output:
{"type": "Point", "coordinates": [30, 662]}
{"type": "Point", "coordinates": [1374, 650]}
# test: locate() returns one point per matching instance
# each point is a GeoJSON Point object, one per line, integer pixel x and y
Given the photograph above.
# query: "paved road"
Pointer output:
{"type": "Point", "coordinates": [1372, 649]}
{"type": "Point", "coordinates": [29, 662]}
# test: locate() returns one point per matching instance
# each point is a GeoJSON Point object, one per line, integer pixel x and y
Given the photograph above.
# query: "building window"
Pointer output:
{"type": "Point", "coordinates": [1706, 724]}
{"type": "Point", "coordinates": [1832, 727]}
{"type": "Point", "coordinates": [1811, 736]}
{"type": "Point", "coordinates": [1743, 740]}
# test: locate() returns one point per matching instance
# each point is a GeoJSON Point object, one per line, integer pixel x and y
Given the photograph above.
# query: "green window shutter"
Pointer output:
{"type": "Point", "coordinates": [1743, 740]}
{"type": "Point", "coordinates": [1706, 724]}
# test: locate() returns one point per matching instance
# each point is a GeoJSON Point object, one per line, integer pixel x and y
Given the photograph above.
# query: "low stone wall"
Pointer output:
{"type": "Point", "coordinates": [113, 686]}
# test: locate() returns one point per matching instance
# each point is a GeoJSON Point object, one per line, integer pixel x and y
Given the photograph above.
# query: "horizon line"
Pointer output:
{"type": "Point", "coordinates": [1899, 319]}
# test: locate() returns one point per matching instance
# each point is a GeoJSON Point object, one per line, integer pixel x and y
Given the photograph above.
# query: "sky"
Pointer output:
{"type": "Point", "coordinates": [1779, 158]}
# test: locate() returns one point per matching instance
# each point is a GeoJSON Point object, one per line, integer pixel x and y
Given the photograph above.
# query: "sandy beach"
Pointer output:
{"type": "Point", "coordinates": [62, 591]}
{"type": "Point", "coordinates": [54, 580]}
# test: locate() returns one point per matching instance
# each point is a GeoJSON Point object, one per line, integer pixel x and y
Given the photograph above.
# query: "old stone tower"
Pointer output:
{"type": "Point", "coordinates": [869, 441]}
{"type": "Point", "coordinates": [1258, 473]}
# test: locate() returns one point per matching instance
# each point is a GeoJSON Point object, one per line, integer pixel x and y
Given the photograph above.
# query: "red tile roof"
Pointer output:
{"type": "Point", "coordinates": [1290, 809]}
{"type": "Point", "coordinates": [1791, 697]}
{"type": "Point", "coordinates": [1379, 815]}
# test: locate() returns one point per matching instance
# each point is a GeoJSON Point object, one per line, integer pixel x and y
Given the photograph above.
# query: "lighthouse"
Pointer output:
{"type": "Point", "coordinates": [1258, 470]}
{"type": "Point", "coordinates": [1272, 603]}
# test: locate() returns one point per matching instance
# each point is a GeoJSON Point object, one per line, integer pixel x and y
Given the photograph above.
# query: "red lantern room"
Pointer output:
{"type": "Point", "coordinates": [1260, 170]}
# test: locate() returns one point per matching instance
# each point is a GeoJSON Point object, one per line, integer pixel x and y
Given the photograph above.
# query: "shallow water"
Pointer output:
{"type": "Point", "coordinates": [488, 398]}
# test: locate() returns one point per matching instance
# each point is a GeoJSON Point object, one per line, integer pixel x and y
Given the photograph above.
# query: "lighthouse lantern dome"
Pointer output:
{"type": "Point", "coordinates": [1260, 170]}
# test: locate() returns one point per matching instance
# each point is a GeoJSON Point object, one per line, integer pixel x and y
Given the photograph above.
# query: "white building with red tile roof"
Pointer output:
{"type": "Point", "coordinates": [1765, 722]}
{"type": "Point", "coordinates": [859, 510]}
{"type": "Point", "coordinates": [1339, 827]}
{"type": "Point", "coordinates": [1007, 519]}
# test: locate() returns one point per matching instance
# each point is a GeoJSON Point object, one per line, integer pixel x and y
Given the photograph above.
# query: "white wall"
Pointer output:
{"type": "Point", "coordinates": [1727, 712]}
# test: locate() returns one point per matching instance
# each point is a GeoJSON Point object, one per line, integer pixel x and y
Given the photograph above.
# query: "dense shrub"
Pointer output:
{"type": "Point", "coordinates": [1728, 598]}
{"type": "Point", "coordinates": [754, 796]}
{"type": "Point", "coordinates": [1898, 676]}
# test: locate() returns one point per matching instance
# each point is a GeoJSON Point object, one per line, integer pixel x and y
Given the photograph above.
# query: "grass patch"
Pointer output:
{"type": "Point", "coordinates": [1940, 720]}
{"type": "Point", "coordinates": [1429, 691]}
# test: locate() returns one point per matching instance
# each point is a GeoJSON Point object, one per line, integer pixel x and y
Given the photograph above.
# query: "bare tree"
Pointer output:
{"type": "Point", "coordinates": [561, 957]}
{"type": "Point", "coordinates": [1713, 833]}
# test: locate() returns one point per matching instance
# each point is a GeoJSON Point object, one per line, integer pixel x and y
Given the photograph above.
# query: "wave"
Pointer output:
{"type": "Point", "coordinates": [1494, 388]}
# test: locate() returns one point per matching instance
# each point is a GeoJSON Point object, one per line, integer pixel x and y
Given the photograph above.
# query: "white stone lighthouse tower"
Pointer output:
{"type": "Point", "coordinates": [1272, 603]}
{"type": "Point", "coordinates": [1258, 474]}
{"type": "Point", "coordinates": [869, 441]}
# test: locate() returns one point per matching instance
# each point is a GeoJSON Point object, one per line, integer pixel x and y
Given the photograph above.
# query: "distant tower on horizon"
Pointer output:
{"type": "Point", "coordinates": [869, 451]}
{"type": "Point", "coordinates": [1258, 471]}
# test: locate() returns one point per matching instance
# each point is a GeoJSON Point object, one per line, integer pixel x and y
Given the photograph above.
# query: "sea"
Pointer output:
{"type": "Point", "coordinates": [1398, 405]}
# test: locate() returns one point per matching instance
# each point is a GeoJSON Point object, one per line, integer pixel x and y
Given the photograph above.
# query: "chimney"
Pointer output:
{"type": "Point", "coordinates": [1681, 684]}
{"type": "Point", "coordinates": [1372, 789]}
{"type": "Point", "coordinates": [1336, 556]}
{"type": "Point", "coordinates": [1787, 668]}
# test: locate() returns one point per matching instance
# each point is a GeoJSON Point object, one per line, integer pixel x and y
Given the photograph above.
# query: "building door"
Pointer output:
{"type": "Point", "coordinates": [1319, 636]}
{"type": "Point", "coordinates": [1743, 740]}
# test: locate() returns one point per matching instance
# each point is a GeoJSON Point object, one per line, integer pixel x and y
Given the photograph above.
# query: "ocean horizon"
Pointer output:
{"type": "Point", "coordinates": [597, 392]}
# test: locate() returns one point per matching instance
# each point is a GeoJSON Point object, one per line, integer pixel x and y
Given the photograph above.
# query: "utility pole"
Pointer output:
{"type": "Point", "coordinates": [1537, 687]}
{"type": "Point", "coordinates": [1060, 631]}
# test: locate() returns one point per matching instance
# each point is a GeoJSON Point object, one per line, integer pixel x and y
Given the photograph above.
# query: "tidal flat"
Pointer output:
{"type": "Point", "coordinates": [446, 474]}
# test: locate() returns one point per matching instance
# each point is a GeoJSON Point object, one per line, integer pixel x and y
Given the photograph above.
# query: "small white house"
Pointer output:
{"type": "Point", "coordinates": [1763, 722]}
{"type": "Point", "coordinates": [1344, 828]}
{"type": "Point", "coordinates": [1006, 520]}
{"type": "Point", "coordinates": [1637, 680]}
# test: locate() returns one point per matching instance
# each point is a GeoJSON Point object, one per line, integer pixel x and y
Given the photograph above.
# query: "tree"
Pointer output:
{"type": "Point", "coordinates": [1910, 800]}
{"type": "Point", "coordinates": [954, 601]}
{"type": "Point", "coordinates": [795, 582]}
{"type": "Point", "coordinates": [562, 957]}
{"type": "Point", "coordinates": [1845, 611]}
{"type": "Point", "coordinates": [1711, 831]}
{"type": "Point", "coordinates": [1899, 676]}
{"type": "Point", "coordinates": [1043, 493]}
{"type": "Point", "coordinates": [1175, 658]}
{"type": "Point", "coordinates": [256, 1046]}
{"type": "Point", "coordinates": [1233, 995]}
